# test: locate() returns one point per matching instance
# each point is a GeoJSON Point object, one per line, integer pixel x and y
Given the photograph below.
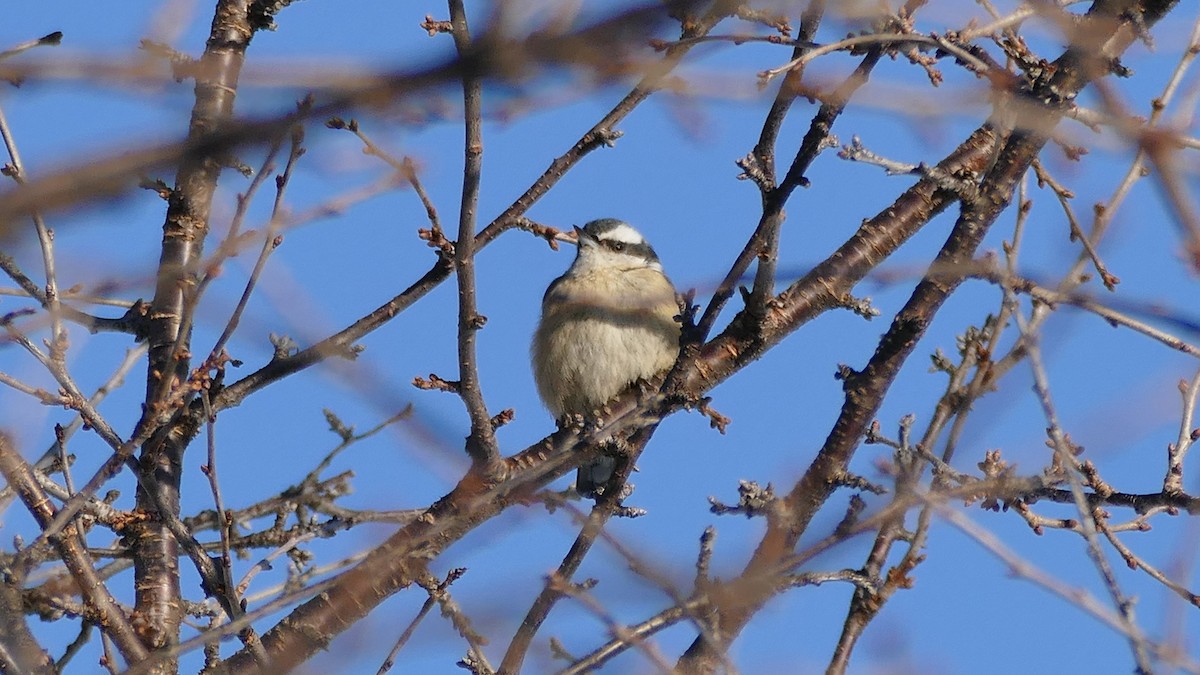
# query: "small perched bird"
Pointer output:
{"type": "Point", "coordinates": [606, 323]}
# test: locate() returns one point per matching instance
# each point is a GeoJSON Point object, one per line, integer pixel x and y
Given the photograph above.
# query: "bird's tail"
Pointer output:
{"type": "Point", "coordinates": [592, 476]}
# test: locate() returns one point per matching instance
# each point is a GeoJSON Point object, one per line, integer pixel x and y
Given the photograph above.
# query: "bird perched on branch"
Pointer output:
{"type": "Point", "coordinates": [608, 322]}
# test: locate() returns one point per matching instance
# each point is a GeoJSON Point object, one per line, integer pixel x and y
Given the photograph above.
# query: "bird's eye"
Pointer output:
{"type": "Point", "coordinates": [618, 246]}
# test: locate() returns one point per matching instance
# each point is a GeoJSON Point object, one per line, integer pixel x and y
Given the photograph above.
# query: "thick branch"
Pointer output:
{"type": "Point", "coordinates": [156, 570]}
{"type": "Point", "coordinates": [864, 391]}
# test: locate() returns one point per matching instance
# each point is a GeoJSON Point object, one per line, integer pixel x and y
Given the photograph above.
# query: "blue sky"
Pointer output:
{"type": "Point", "coordinates": [672, 175]}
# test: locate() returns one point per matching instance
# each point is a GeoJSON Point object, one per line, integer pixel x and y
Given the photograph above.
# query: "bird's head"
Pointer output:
{"type": "Point", "coordinates": [609, 243]}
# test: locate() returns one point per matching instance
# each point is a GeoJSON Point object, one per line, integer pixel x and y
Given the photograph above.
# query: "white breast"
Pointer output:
{"type": "Point", "coordinates": [599, 335]}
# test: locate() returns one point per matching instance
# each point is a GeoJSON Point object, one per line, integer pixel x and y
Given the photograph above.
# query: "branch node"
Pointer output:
{"type": "Point", "coordinates": [853, 510]}
{"type": "Point", "coordinates": [552, 235]}
{"type": "Point", "coordinates": [438, 383]}
{"type": "Point", "coordinates": [857, 482]}
{"type": "Point", "coordinates": [860, 306]}
{"type": "Point", "coordinates": [156, 185]}
{"type": "Point", "coordinates": [753, 500]}
{"type": "Point", "coordinates": [602, 136]}
{"type": "Point", "coordinates": [434, 237]}
{"type": "Point", "coordinates": [433, 26]}
{"type": "Point", "coordinates": [847, 375]}
{"type": "Point", "coordinates": [285, 346]}
{"type": "Point", "coordinates": [337, 426]}
{"type": "Point", "coordinates": [715, 419]}
{"type": "Point", "coordinates": [752, 170]}
{"type": "Point", "coordinates": [503, 417]}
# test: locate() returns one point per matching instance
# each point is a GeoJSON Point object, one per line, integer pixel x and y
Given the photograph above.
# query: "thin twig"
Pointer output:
{"type": "Point", "coordinates": [1065, 457]}
{"type": "Point", "coordinates": [224, 529]}
{"type": "Point", "coordinates": [51, 39]}
{"type": "Point", "coordinates": [51, 455]}
{"type": "Point", "coordinates": [271, 239]}
{"type": "Point", "coordinates": [1135, 561]}
{"type": "Point", "coordinates": [350, 439]}
{"type": "Point", "coordinates": [44, 397]}
{"type": "Point", "coordinates": [390, 659]}
{"type": "Point", "coordinates": [85, 633]}
{"type": "Point", "coordinates": [1064, 196]}
{"type": "Point", "coordinates": [1051, 298]}
{"type": "Point", "coordinates": [113, 620]}
{"type": "Point", "coordinates": [632, 635]}
{"type": "Point", "coordinates": [1173, 480]}
{"type": "Point", "coordinates": [481, 444]}
{"type": "Point", "coordinates": [1076, 597]}
{"type": "Point", "coordinates": [405, 166]}
{"type": "Point", "coordinates": [514, 656]}
{"type": "Point", "coordinates": [86, 299]}
{"type": "Point", "coordinates": [45, 242]}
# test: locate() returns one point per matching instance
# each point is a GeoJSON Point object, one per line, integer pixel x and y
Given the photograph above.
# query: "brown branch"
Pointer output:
{"type": "Point", "coordinates": [763, 244]}
{"type": "Point", "coordinates": [435, 590]}
{"type": "Point", "coordinates": [287, 598]}
{"type": "Point", "coordinates": [827, 284]}
{"type": "Point", "coordinates": [51, 455]}
{"type": "Point", "coordinates": [16, 171]}
{"type": "Point", "coordinates": [108, 614]}
{"type": "Point", "coordinates": [51, 39]}
{"type": "Point", "coordinates": [593, 46]}
{"type": "Point", "coordinates": [1135, 561]}
{"type": "Point", "coordinates": [1138, 502]}
{"type": "Point", "coordinates": [634, 635]}
{"type": "Point", "coordinates": [338, 344]}
{"type": "Point", "coordinates": [763, 156]}
{"type": "Point", "coordinates": [122, 455]}
{"type": "Point", "coordinates": [1064, 196]}
{"type": "Point", "coordinates": [604, 132]}
{"type": "Point", "coordinates": [378, 582]}
{"type": "Point", "coordinates": [1077, 597]}
{"type": "Point", "coordinates": [604, 509]}
{"type": "Point", "coordinates": [815, 140]}
{"type": "Point", "coordinates": [19, 649]}
{"type": "Point", "coordinates": [961, 391]}
{"type": "Point", "coordinates": [764, 150]}
{"type": "Point", "coordinates": [218, 582]}
{"type": "Point", "coordinates": [400, 560]}
{"type": "Point", "coordinates": [55, 365]}
{"type": "Point", "coordinates": [481, 444]}
{"type": "Point", "coordinates": [156, 564]}
{"type": "Point", "coordinates": [868, 601]}
{"type": "Point", "coordinates": [126, 324]}
{"type": "Point", "coordinates": [1173, 480]}
{"type": "Point", "coordinates": [382, 571]}
{"type": "Point", "coordinates": [864, 391]}
{"type": "Point", "coordinates": [405, 166]}
{"type": "Point", "coordinates": [777, 325]}
{"type": "Point", "coordinates": [271, 238]}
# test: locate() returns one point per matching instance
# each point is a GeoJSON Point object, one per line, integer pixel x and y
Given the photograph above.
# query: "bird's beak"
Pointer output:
{"type": "Point", "coordinates": [580, 235]}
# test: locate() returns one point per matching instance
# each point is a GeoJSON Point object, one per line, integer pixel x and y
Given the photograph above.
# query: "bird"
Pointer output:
{"type": "Point", "coordinates": [608, 322]}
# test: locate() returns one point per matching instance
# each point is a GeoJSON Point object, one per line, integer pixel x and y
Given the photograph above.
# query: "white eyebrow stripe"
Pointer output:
{"type": "Point", "coordinates": [623, 233]}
